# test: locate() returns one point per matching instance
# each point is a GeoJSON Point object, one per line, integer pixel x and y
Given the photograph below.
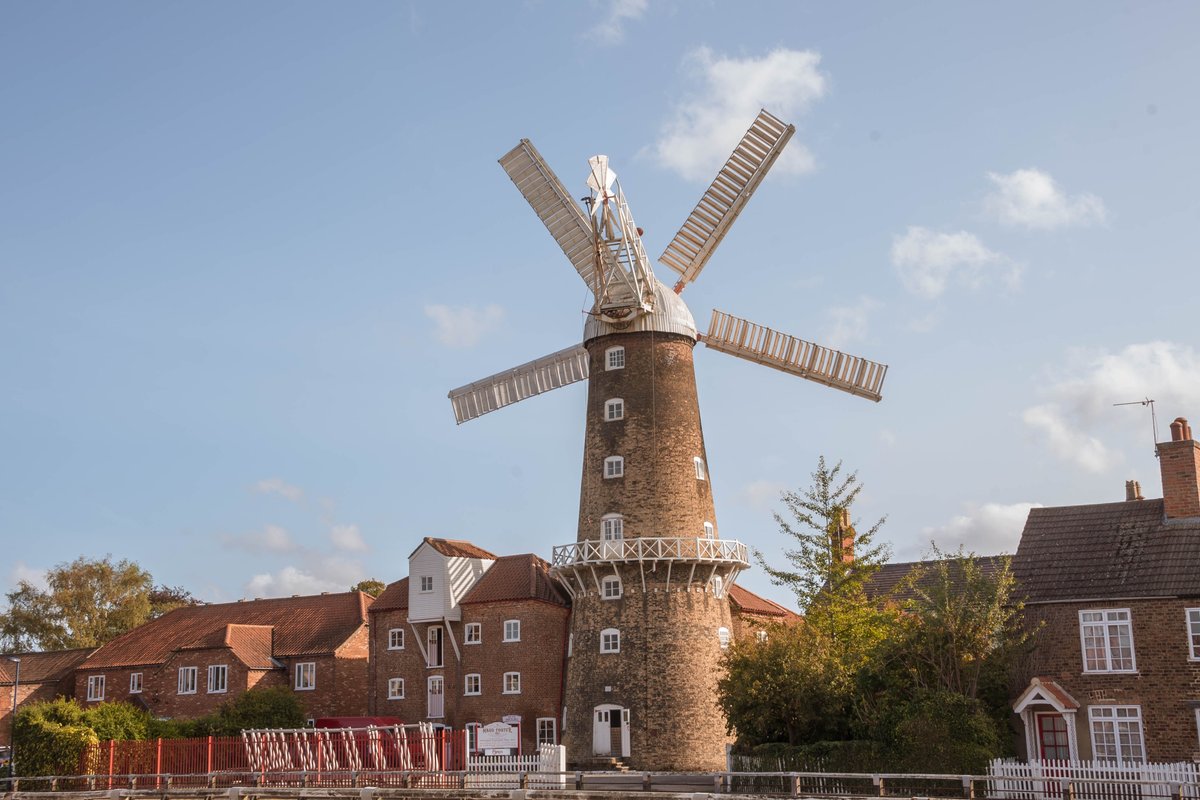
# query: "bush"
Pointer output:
{"type": "Point", "coordinates": [118, 721]}
{"type": "Point", "coordinates": [943, 732]}
{"type": "Point", "coordinates": [53, 738]}
{"type": "Point", "coordinates": [276, 707]}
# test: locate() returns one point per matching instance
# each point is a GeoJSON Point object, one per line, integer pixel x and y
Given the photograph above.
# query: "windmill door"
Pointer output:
{"type": "Point", "coordinates": [610, 731]}
{"type": "Point", "coordinates": [601, 737]}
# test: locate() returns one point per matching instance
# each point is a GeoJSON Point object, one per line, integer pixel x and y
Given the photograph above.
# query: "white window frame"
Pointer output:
{"type": "Point", "coordinates": [1191, 617]}
{"type": "Point", "coordinates": [395, 638]}
{"type": "Point", "coordinates": [473, 633]}
{"type": "Point", "coordinates": [723, 637]}
{"type": "Point", "coordinates": [614, 358]}
{"type": "Point", "coordinates": [614, 467]}
{"type": "Point", "coordinates": [1110, 619]}
{"type": "Point", "coordinates": [612, 527]}
{"type": "Point", "coordinates": [426, 586]}
{"type": "Point", "coordinates": [1122, 724]}
{"type": "Point", "coordinates": [607, 592]}
{"type": "Point", "coordinates": [718, 586]}
{"type": "Point", "coordinates": [610, 640]}
{"type": "Point", "coordinates": [467, 681]}
{"type": "Point", "coordinates": [1198, 726]}
{"type": "Point", "coordinates": [570, 644]}
{"type": "Point", "coordinates": [710, 530]}
{"type": "Point", "coordinates": [472, 729]}
{"type": "Point", "coordinates": [547, 725]}
{"type": "Point", "coordinates": [512, 683]}
{"type": "Point", "coordinates": [395, 688]}
{"type": "Point", "coordinates": [701, 473]}
{"type": "Point", "coordinates": [187, 681]}
{"type": "Point", "coordinates": [95, 688]}
{"type": "Point", "coordinates": [761, 635]}
{"type": "Point", "coordinates": [614, 409]}
{"type": "Point", "coordinates": [306, 676]}
{"type": "Point", "coordinates": [135, 683]}
{"type": "Point", "coordinates": [512, 630]}
{"type": "Point", "coordinates": [217, 674]}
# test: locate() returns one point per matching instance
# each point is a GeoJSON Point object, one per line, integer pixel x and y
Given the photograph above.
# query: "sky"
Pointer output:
{"type": "Point", "coordinates": [247, 248]}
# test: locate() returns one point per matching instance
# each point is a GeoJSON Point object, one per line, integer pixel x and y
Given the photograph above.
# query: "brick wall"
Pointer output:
{"type": "Point", "coordinates": [26, 693]}
{"type": "Point", "coordinates": [1166, 684]}
{"type": "Point", "coordinates": [1179, 462]}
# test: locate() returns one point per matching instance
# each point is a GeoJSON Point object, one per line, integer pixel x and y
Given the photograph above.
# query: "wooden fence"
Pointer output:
{"type": "Point", "coordinates": [1091, 780]}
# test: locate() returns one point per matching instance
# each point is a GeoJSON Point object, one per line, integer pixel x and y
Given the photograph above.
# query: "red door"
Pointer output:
{"type": "Point", "coordinates": [1052, 738]}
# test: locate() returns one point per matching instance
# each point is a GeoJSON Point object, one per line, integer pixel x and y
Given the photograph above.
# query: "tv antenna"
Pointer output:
{"type": "Point", "coordinates": [1153, 418]}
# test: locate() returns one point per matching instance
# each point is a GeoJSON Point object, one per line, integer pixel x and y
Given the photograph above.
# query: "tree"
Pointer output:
{"type": "Point", "coordinates": [371, 586]}
{"type": "Point", "coordinates": [165, 598]}
{"type": "Point", "coordinates": [87, 603]}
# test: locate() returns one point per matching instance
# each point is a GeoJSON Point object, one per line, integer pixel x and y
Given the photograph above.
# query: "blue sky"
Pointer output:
{"type": "Point", "coordinates": [246, 249]}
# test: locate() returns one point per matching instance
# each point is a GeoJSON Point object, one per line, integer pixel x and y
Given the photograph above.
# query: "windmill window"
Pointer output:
{"type": "Point", "coordinates": [614, 358]}
{"type": "Point", "coordinates": [611, 587]}
{"type": "Point", "coordinates": [614, 467]}
{"type": "Point", "coordinates": [612, 527]}
{"type": "Point", "coordinates": [709, 531]}
{"type": "Point", "coordinates": [614, 409]}
{"type": "Point", "coordinates": [723, 638]}
{"type": "Point", "coordinates": [718, 585]}
{"type": "Point", "coordinates": [610, 640]}
{"type": "Point", "coordinates": [699, 462]}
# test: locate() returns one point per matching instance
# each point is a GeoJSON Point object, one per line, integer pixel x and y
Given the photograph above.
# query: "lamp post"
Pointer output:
{"type": "Point", "coordinates": [12, 730]}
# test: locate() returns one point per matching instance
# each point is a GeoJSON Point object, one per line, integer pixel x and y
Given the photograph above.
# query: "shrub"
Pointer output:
{"type": "Point", "coordinates": [275, 707]}
{"type": "Point", "coordinates": [53, 738]}
{"type": "Point", "coordinates": [118, 721]}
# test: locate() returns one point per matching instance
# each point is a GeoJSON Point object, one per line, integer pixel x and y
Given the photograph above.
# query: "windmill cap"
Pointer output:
{"type": "Point", "coordinates": [670, 315]}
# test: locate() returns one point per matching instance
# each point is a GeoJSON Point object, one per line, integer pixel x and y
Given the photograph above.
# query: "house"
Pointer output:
{"type": "Point", "coordinates": [753, 615]}
{"type": "Point", "coordinates": [190, 660]}
{"type": "Point", "coordinates": [1115, 587]}
{"type": "Point", "coordinates": [471, 638]}
{"type": "Point", "coordinates": [44, 676]}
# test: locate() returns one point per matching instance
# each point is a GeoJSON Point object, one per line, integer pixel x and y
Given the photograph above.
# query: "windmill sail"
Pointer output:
{"type": "Point", "coordinates": [744, 339]}
{"type": "Point", "coordinates": [555, 207]}
{"type": "Point", "coordinates": [505, 388]}
{"type": "Point", "coordinates": [708, 223]}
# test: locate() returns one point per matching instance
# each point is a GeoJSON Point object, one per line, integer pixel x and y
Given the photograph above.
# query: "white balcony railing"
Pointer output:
{"type": "Point", "coordinates": [699, 550]}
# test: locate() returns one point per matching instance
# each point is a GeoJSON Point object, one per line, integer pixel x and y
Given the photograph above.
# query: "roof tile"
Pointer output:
{"type": "Point", "coordinates": [47, 667]}
{"type": "Point", "coordinates": [519, 577]}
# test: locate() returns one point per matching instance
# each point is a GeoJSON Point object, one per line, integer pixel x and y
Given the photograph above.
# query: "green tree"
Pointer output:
{"type": "Point", "coordinates": [87, 603]}
{"type": "Point", "coordinates": [274, 707]}
{"type": "Point", "coordinates": [165, 598]}
{"type": "Point", "coordinates": [370, 586]}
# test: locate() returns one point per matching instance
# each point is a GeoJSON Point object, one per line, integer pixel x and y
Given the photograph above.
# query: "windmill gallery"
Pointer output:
{"type": "Point", "coordinates": [648, 575]}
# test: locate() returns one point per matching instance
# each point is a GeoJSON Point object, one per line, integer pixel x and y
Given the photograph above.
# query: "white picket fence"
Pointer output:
{"type": "Point", "coordinates": [1092, 780]}
{"type": "Point", "coordinates": [545, 769]}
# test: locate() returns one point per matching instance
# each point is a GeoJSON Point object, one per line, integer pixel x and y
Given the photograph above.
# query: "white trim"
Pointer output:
{"type": "Point", "coordinates": [434, 635]}
{"type": "Point", "coordinates": [475, 628]}
{"type": "Point", "coordinates": [472, 729]}
{"type": "Point", "coordinates": [606, 583]}
{"type": "Point", "coordinates": [610, 640]}
{"type": "Point", "coordinates": [612, 527]}
{"type": "Point", "coordinates": [440, 681]}
{"type": "Point", "coordinates": [515, 683]}
{"type": "Point", "coordinates": [187, 681]}
{"type": "Point", "coordinates": [710, 530]}
{"type": "Point", "coordinates": [614, 409]}
{"type": "Point", "coordinates": [1109, 618]}
{"type": "Point", "coordinates": [701, 472]}
{"type": "Point", "coordinates": [1121, 731]}
{"type": "Point", "coordinates": [425, 580]}
{"type": "Point", "coordinates": [614, 467]}
{"type": "Point", "coordinates": [395, 688]}
{"type": "Point", "coordinates": [467, 684]}
{"type": "Point", "coordinates": [723, 637]}
{"type": "Point", "coordinates": [553, 730]}
{"type": "Point", "coordinates": [614, 358]}
{"type": "Point", "coordinates": [135, 686]}
{"type": "Point", "coordinates": [1198, 726]}
{"type": "Point", "coordinates": [392, 637]}
{"type": "Point", "coordinates": [516, 629]}
{"type": "Point", "coordinates": [217, 669]}
{"type": "Point", "coordinates": [95, 688]}
{"type": "Point", "coordinates": [1191, 618]}
{"type": "Point", "coordinates": [305, 676]}
{"type": "Point", "coordinates": [718, 586]}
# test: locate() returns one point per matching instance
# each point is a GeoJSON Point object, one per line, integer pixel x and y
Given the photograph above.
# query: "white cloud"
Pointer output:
{"type": "Point", "coordinates": [928, 261]}
{"type": "Point", "coordinates": [271, 539]}
{"type": "Point", "coordinates": [761, 494]}
{"type": "Point", "coordinates": [288, 581]}
{"type": "Point", "coordinates": [463, 326]}
{"type": "Point", "coordinates": [702, 130]}
{"type": "Point", "coordinates": [347, 537]}
{"type": "Point", "coordinates": [1030, 198]}
{"type": "Point", "coordinates": [850, 324]}
{"type": "Point", "coordinates": [1078, 412]}
{"type": "Point", "coordinates": [611, 29]}
{"type": "Point", "coordinates": [280, 487]}
{"type": "Point", "coordinates": [887, 437]}
{"type": "Point", "coordinates": [987, 529]}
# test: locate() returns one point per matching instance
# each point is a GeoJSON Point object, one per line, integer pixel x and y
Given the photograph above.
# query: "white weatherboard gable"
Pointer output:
{"type": "Point", "coordinates": [452, 577]}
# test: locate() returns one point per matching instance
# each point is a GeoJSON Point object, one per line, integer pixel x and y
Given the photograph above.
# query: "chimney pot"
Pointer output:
{"type": "Point", "coordinates": [1179, 462]}
{"type": "Point", "coordinates": [1133, 491]}
{"type": "Point", "coordinates": [1180, 430]}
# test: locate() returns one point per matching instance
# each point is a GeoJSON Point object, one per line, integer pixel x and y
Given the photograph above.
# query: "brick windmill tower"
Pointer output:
{"type": "Point", "coordinates": [648, 572]}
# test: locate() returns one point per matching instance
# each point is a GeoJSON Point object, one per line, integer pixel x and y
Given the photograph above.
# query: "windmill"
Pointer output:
{"type": "Point", "coordinates": [648, 571]}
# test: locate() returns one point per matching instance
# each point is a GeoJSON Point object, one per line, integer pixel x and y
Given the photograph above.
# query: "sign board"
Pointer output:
{"type": "Point", "coordinates": [499, 735]}
{"type": "Point", "coordinates": [511, 719]}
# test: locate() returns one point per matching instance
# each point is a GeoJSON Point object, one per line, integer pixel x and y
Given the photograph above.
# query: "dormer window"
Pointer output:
{"type": "Point", "coordinates": [614, 358]}
{"type": "Point", "coordinates": [614, 409]}
{"type": "Point", "coordinates": [614, 467]}
{"type": "Point", "coordinates": [426, 584]}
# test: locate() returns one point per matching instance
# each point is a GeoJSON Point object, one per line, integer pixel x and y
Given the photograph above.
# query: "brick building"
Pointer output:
{"type": "Point", "coordinates": [1115, 674]}
{"type": "Point", "coordinates": [190, 660]}
{"type": "Point", "coordinates": [44, 676]}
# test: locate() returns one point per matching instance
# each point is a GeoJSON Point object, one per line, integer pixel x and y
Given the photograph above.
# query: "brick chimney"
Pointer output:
{"type": "Point", "coordinates": [1133, 491]}
{"type": "Point", "coordinates": [842, 537]}
{"type": "Point", "coordinates": [1179, 460]}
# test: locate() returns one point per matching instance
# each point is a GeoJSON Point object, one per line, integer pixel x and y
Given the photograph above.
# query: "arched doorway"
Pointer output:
{"type": "Point", "coordinates": [610, 730]}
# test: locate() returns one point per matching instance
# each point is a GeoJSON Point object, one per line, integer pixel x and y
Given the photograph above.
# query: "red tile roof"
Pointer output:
{"type": "Point", "coordinates": [42, 667]}
{"type": "Point", "coordinates": [302, 626]}
{"type": "Point", "coordinates": [394, 597]}
{"type": "Point", "coordinates": [520, 577]}
{"type": "Point", "coordinates": [457, 548]}
{"type": "Point", "coordinates": [752, 603]}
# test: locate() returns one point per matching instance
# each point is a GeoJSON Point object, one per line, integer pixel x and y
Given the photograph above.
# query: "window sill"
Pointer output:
{"type": "Point", "coordinates": [1111, 672]}
{"type": "Point", "coordinates": [304, 689]}
{"type": "Point", "coordinates": [218, 691]}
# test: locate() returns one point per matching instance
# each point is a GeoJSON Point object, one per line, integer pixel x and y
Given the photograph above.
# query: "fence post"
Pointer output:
{"type": "Point", "coordinates": [645, 781]}
{"type": "Point", "coordinates": [794, 780]}
{"type": "Point", "coordinates": [524, 779]}
{"type": "Point", "coordinates": [968, 787]}
{"type": "Point", "coordinates": [1068, 789]}
{"type": "Point", "coordinates": [1176, 791]}
{"type": "Point", "coordinates": [111, 752]}
{"type": "Point", "coordinates": [157, 760]}
{"type": "Point", "coordinates": [209, 769]}
{"type": "Point", "coordinates": [877, 780]}
{"type": "Point", "coordinates": [578, 779]}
